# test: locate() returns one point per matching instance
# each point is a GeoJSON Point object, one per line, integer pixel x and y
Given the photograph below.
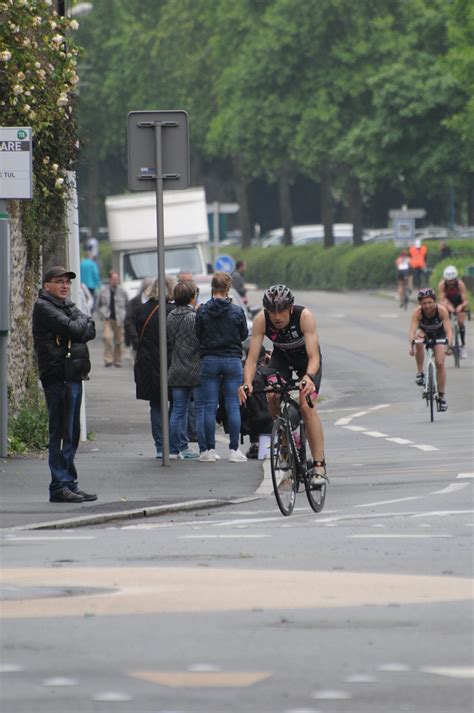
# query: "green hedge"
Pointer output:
{"type": "Point", "coordinates": [342, 267]}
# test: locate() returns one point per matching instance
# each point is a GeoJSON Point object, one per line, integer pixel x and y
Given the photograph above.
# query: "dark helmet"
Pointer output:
{"type": "Point", "coordinates": [277, 298]}
{"type": "Point", "coordinates": [426, 292]}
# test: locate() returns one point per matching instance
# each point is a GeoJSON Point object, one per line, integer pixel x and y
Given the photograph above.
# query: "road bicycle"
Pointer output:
{"type": "Point", "coordinates": [456, 339]}
{"type": "Point", "coordinates": [289, 461]}
{"type": "Point", "coordinates": [405, 297]}
{"type": "Point", "coordinates": [430, 387]}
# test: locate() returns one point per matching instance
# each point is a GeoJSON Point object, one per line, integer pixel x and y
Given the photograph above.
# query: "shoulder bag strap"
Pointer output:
{"type": "Point", "coordinates": [146, 322]}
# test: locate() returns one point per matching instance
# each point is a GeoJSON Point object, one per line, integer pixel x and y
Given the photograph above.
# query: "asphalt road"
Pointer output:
{"type": "Point", "coordinates": [366, 607]}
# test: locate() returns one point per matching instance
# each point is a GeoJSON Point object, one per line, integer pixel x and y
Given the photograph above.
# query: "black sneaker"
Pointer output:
{"type": "Point", "coordinates": [252, 452]}
{"type": "Point", "coordinates": [442, 405]}
{"type": "Point", "coordinates": [89, 497]}
{"type": "Point", "coordinates": [420, 379]}
{"type": "Point", "coordinates": [64, 495]}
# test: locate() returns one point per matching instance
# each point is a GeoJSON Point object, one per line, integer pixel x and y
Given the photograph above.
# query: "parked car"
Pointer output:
{"type": "Point", "coordinates": [304, 234]}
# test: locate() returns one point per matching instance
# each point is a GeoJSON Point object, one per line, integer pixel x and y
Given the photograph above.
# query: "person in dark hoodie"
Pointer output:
{"type": "Point", "coordinates": [60, 333]}
{"type": "Point", "coordinates": [220, 328]}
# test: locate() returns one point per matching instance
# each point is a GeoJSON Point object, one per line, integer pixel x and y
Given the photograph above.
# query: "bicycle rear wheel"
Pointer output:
{"type": "Point", "coordinates": [283, 467]}
{"type": "Point", "coordinates": [430, 389]}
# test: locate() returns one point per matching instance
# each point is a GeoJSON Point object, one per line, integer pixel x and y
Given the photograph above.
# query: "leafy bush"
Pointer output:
{"type": "Point", "coordinates": [342, 267]}
{"type": "Point", "coordinates": [28, 430]}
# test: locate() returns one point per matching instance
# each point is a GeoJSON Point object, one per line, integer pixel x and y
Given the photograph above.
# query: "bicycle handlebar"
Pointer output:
{"type": "Point", "coordinates": [282, 388]}
{"type": "Point", "coordinates": [426, 340]}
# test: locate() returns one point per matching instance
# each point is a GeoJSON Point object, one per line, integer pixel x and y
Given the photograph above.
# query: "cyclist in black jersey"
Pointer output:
{"type": "Point", "coordinates": [292, 330]}
{"type": "Point", "coordinates": [432, 320]}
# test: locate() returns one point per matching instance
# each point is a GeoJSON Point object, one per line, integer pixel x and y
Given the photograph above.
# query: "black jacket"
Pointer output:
{"type": "Point", "coordinates": [221, 327]}
{"type": "Point", "coordinates": [55, 323]}
{"type": "Point", "coordinates": [147, 362]}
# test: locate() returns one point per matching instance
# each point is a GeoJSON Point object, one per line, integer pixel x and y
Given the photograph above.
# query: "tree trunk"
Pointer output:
{"type": "Point", "coordinates": [470, 199]}
{"type": "Point", "coordinates": [22, 376]}
{"type": "Point", "coordinates": [327, 209]}
{"type": "Point", "coordinates": [355, 208]}
{"type": "Point", "coordinates": [285, 207]}
{"type": "Point", "coordinates": [242, 198]}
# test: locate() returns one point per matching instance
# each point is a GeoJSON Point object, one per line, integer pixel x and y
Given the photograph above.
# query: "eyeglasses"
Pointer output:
{"type": "Point", "coordinates": [60, 282]}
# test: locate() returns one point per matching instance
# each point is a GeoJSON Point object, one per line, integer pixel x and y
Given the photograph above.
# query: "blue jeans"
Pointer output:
{"type": "Point", "coordinates": [179, 418]}
{"type": "Point", "coordinates": [213, 370]}
{"type": "Point", "coordinates": [64, 406]}
{"type": "Point", "coordinates": [155, 418]}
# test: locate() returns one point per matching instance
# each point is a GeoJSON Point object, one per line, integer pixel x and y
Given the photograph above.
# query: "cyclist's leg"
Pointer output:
{"type": "Point", "coordinates": [440, 355]}
{"type": "Point", "coordinates": [313, 425]}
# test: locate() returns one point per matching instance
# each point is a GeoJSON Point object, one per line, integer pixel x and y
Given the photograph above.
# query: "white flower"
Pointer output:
{"type": "Point", "coordinates": [6, 55]}
{"type": "Point", "coordinates": [62, 100]}
{"type": "Point", "coordinates": [57, 39]}
{"type": "Point", "coordinates": [53, 24]}
{"type": "Point", "coordinates": [55, 167]}
{"type": "Point", "coordinates": [17, 89]}
{"type": "Point", "coordinates": [26, 42]}
{"type": "Point", "coordinates": [32, 115]}
{"type": "Point", "coordinates": [74, 79]}
{"type": "Point", "coordinates": [74, 25]}
{"type": "Point", "coordinates": [20, 76]}
{"type": "Point", "coordinates": [58, 182]}
{"type": "Point", "coordinates": [37, 21]}
{"type": "Point", "coordinates": [38, 65]}
{"type": "Point", "coordinates": [26, 108]}
{"type": "Point", "coordinates": [46, 160]}
{"type": "Point", "coordinates": [48, 2]}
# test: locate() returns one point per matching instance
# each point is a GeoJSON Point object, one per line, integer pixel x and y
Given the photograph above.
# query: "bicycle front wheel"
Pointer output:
{"type": "Point", "coordinates": [283, 467]}
{"type": "Point", "coordinates": [316, 494]}
{"type": "Point", "coordinates": [457, 347]}
{"type": "Point", "coordinates": [430, 389]}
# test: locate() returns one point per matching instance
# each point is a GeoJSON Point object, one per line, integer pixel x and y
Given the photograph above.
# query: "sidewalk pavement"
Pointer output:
{"type": "Point", "coordinates": [119, 464]}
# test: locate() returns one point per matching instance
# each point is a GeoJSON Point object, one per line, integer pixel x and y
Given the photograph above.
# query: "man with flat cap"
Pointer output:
{"type": "Point", "coordinates": [61, 332]}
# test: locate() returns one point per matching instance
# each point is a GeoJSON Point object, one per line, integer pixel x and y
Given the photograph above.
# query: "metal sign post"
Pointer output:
{"type": "Point", "coordinates": [158, 150]}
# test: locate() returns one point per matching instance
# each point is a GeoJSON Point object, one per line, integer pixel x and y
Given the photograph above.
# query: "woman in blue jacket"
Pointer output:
{"type": "Point", "coordinates": [220, 328]}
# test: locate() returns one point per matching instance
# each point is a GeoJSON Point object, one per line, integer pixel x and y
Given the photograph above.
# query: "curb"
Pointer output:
{"type": "Point", "coordinates": [144, 512]}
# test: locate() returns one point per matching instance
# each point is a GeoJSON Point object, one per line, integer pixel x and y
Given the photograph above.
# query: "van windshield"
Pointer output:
{"type": "Point", "coordinates": [138, 265]}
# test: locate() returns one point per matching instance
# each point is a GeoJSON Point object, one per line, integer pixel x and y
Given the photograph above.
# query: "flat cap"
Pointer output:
{"type": "Point", "coordinates": [57, 271]}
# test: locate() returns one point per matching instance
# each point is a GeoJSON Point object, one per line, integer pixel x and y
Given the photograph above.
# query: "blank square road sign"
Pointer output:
{"type": "Point", "coordinates": [142, 151]}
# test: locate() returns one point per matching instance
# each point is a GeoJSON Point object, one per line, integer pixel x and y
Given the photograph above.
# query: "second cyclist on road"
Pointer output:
{"type": "Point", "coordinates": [430, 320]}
{"type": "Point", "coordinates": [453, 295]}
{"type": "Point", "coordinates": [292, 330]}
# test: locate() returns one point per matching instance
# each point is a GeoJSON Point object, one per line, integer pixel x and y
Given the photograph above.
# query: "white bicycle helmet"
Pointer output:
{"type": "Point", "coordinates": [450, 273]}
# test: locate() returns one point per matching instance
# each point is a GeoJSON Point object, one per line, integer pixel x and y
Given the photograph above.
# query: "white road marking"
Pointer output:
{"type": "Point", "coordinates": [112, 697]}
{"type": "Point", "coordinates": [360, 413]}
{"type": "Point", "coordinates": [394, 667]}
{"type": "Point", "coordinates": [331, 695]}
{"type": "Point", "coordinates": [343, 421]}
{"type": "Point", "coordinates": [60, 681]}
{"type": "Point", "coordinates": [442, 513]}
{"type": "Point", "coordinates": [57, 538]}
{"type": "Point", "coordinates": [376, 536]}
{"type": "Point", "coordinates": [466, 475]}
{"type": "Point", "coordinates": [200, 667]}
{"type": "Point", "coordinates": [10, 668]}
{"type": "Point", "coordinates": [375, 434]}
{"type": "Point", "coordinates": [401, 441]}
{"type": "Point", "coordinates": [360, 678]}
{"type": "Point", "coordinates": [423, 447]}
{"type": "Point", "coordinates": [221, 537]}
{"type": "Point", "coordinates": [356, 428]}
{"type": "Point", "coordinates": [453, 488]}
{"type": "Point", "coordinates": [451, 671]}
{"type": "Point", "coordinates": [376, 408]}
{"type": "Point", "coordinates": [388, 502]}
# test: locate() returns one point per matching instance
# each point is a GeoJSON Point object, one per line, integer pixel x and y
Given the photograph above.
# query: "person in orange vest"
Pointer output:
{"type": "Point", "coordinates": [417, 262]}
